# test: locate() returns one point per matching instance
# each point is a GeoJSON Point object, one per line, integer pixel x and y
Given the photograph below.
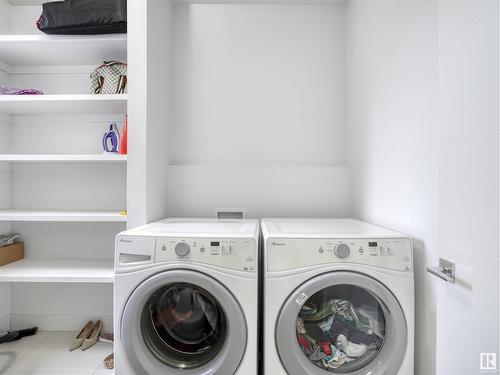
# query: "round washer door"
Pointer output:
{"type": "Point", "coordinates": [343, 323]}
{"type": "Point", "coordinates": [183, 322]}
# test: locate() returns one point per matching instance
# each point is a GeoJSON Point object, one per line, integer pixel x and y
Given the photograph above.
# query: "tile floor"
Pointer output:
{"type": "Point", "coordinates": [47, 353]}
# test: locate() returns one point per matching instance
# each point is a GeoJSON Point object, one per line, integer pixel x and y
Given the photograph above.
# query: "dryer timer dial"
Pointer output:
{"type": "Point", "coordinates": [182, 249]}
{"type": "Point", "coordinates": [342, 250]}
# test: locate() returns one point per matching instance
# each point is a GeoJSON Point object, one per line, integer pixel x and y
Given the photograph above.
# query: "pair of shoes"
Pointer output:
{"type": "Point", "coordinates": [9, 336]}
{"type": "Point", "coordinates": [109, 361]}
{"type": "Point", "coordinates": [88, 336]}
{"type": "Point", "coordinates": [106, 337]}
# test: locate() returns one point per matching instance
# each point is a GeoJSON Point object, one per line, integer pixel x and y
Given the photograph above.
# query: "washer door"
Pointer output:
{"type": "Point", "coordinates": [341, 323]}
{"type": "Point", "coordinates": [183, 322]}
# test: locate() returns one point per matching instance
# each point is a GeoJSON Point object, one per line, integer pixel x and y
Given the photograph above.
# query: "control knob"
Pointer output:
{"type": "Point", "coordinates": [182, 249]}
{"type": "Point", "coordinates": [342, 250]}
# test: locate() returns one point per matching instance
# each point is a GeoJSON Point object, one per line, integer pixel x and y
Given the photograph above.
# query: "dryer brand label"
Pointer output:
{"type": "Point", "coordinates": [301, 299]}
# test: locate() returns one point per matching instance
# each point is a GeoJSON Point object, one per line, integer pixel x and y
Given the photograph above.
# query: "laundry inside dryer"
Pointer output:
{"type": "Point", "coordinates": [341, 328]}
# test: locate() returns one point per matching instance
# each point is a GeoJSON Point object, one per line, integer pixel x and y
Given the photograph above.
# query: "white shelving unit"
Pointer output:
{"type": "Point", "coordinates": [63, 104]}
{"type": "Point", "coordinates": [57, 189]}
{"type": "Point", "coordinates": [94, 158]}
{"type": "Point", "coordinates": [78, 270]}
{"type": "Point", "coordinates": [22, 50]}
{"type": "Point", "coordinates": [56, 216]}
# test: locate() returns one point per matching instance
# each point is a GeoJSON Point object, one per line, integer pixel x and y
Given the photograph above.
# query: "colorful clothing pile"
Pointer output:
{"type": "Point", "coordinates": [7, 90]}
{"type": "Point", "coordinates": [338, 332]}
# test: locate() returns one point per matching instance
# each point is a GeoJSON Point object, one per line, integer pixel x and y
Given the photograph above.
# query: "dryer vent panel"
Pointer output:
{"type": "Point", "coordinates": [230, 213]}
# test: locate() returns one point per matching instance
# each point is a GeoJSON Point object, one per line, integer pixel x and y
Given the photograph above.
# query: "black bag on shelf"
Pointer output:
{"type": "Point", "coordinates": [79, 17]}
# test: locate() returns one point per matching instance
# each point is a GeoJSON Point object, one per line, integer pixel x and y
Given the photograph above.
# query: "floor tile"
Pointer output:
{"type": "Point", "coordinates": [47, 353]}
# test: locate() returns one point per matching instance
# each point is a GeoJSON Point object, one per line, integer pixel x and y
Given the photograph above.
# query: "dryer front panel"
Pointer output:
{"type": "Point", "coordinates": [285, 254]}
{"type": "Point", "coordinates": [343, 323]}
{"type": "Point", "coordinates": [183, 322]}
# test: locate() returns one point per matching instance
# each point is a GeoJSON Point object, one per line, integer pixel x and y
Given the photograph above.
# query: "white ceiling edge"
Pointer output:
{"type": "Point", "coordinates": [261, 2]}
{"type": "Point", "coordinates": [228, 2]}
{"type": "Point", "coordinates": [29, 2]}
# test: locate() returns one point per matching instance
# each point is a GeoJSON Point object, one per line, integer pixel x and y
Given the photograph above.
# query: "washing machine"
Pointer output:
{"type": "Point", "coordinates": [338, 298]}
{"type": "Point", "coordinates": [186, 298]}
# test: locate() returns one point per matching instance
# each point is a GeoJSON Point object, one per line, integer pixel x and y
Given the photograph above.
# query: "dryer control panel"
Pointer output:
{"type": "Point", "coordinates": [288, 254]}
{"type": "Point", "coordinates": [233, 253]}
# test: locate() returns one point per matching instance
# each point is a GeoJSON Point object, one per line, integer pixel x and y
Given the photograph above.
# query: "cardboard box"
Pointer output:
{"type": "Point", "coordinates": [11, 253]}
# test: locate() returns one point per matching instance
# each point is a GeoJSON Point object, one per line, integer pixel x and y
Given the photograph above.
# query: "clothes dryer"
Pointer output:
{"type": "Point", "coordinates": [338, 298]}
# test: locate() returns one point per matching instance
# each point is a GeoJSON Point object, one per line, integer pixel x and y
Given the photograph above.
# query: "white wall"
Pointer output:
{"type": "Point", "coordinates": [310, 191]}
{"type": "Point", "coordinates": [392, 79]}
{"type": "Point", "coordinates": [258, 110]}
{"type": "Point", "coordinates": [5, 181]}
{"type": "Point", "coordinates": [5, 17]}
{"type": "Point", "coordinates": [272, 93]}
{"type": "Point", "coordinates": [468, 183]}
{"type": "Point", "coordinates": [23, 19]}
{"type": "Point", "coordinates": [70, 307]}
{"type": "Point", "coordinates": [148, 110]}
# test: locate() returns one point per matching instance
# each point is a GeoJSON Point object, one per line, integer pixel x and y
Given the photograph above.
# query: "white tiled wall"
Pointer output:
{"type": "Point", "coordinates": [393, 138]}
{"type": "Point", "coordinates": [450, 362]}
{"type": "Point", "coordinates": [468, 202]}
{"type": "Point", "coordinates": [467, 313]}
{"type": "Point", "coordinates": [468, 95]}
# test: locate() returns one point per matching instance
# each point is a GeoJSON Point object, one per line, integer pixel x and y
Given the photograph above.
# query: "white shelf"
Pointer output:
{"type": "Point", "coordinates": [63, 158]}
{"type": "Point", "coordinates": [63, 104]}
{"type": "Point", "coordinates": [42, 215]}
{"type": "Point", "coordinates": [58, 271]}
{"type": "Point", "coordinates": [30, 50]}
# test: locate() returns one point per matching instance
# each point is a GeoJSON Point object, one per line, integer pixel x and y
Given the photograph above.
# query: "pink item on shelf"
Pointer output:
{"type": "Point", "coordinates": [123, 139]}
{"type": "Point", "coordinates": [7, 90]}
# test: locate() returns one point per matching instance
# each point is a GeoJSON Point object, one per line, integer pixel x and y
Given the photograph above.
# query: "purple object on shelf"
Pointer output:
{"type": "Point", "coordinates": [7, 90]}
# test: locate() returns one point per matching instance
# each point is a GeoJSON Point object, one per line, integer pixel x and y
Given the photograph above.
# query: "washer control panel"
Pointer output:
{"type": "Point", "coordinates": [237, 254]}
{"type": "Point", "coordinates": [342, 250]}
{"type": "Point", "coordinates": [182, 249]}
{"type": "Point", "coordinates": [390, 253]}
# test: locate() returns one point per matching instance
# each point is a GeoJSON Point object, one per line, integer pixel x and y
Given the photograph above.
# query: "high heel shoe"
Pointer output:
{"type": "Point", "coordinates": [92, 338]}
{"type": "Point", "coordinates": [80, 338]}
{"type": "Point", "coordinates": [109, 361]}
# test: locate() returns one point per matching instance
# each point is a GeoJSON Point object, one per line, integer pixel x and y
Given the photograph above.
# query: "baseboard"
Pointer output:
{"type": "Point", "coordinates": [5, 322]}
{"type": "Point", "coordinates": [58, 322]}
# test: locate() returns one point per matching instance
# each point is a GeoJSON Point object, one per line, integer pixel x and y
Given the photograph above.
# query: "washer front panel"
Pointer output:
{"type": "Point", "coordinates": [136, 351]}
{"type": "Point", "coordinates": [390, 355]}
{"type": "Point", "coordinates": [293, 253]}
{"type": "Point", "coordinates": [232, 253]}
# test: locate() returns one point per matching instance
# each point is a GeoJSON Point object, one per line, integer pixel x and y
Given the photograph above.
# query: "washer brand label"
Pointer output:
{"type": "Point", "coordinates": [301, 299]}
{"type": "Point", "coordinates": [276, 243]}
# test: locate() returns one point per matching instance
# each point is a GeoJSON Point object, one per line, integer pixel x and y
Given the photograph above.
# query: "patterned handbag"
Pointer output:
{"type": "Point", "coordinates": [109, 78]}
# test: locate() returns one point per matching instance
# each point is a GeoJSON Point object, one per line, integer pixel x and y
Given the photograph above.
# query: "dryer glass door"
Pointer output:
{"type": "Point", "coordinates": [343, 323]}
{"type": "Point", "coordinates": [183, 322]}
{"type": "Point", "coordinates": [341, 328]}
{"type": "Point", "coordinates": [183, 325]}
